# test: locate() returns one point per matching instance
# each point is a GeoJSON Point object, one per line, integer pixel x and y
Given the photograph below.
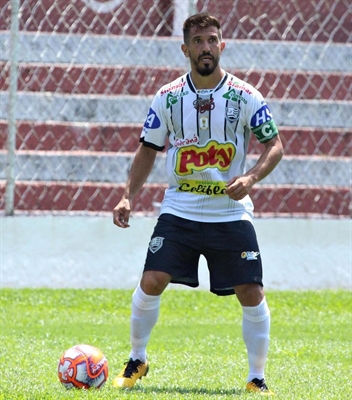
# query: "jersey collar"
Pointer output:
{"type": "Point", "coordinates": [204, 92]}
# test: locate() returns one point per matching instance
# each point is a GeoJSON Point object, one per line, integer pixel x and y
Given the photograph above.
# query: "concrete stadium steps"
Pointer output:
{"type": "Point", "coordinates": [270, 19]}
{"type": "Point", "coordinates": [80, 111]}
{"type": "Point", "coordinates": [88, 80]}
{"type": "Point", "coordinates": [268, 200]}
{"type": "Point", "coordinates": [323, 20]}
{"type": "Point", "coordinates": [105, 50]}
{"type": "Point", "coordinates": [51, 136]}
{"type": "Point", "coordinates": [133, 109]}
{"type": "Point", "coordinates": [107, 167]}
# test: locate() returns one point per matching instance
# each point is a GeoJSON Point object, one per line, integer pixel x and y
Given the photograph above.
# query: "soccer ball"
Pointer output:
{"type": "Point", "coordinates": [84, 367]}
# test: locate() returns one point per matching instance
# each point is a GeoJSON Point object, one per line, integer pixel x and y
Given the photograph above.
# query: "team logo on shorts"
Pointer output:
{"type": "Point", "coordinates": [156, 244]}
{"type": "Point", "coordinates": [250, 255]}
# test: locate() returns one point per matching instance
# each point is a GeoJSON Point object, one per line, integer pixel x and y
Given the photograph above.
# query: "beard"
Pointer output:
{"type": "Point", "coordinates": [206, 69]}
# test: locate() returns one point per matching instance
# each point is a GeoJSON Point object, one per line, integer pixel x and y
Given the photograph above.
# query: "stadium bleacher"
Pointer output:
{"type": "Point", "coordinates": [85, 84]}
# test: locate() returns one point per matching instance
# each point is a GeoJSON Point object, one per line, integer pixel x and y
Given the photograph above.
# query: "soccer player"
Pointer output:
{"type": "Point", "coordinates": [206, 116]}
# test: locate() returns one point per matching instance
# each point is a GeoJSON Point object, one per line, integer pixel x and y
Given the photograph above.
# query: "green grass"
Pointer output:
{"type": "Point", "coordinates": [196, 349]}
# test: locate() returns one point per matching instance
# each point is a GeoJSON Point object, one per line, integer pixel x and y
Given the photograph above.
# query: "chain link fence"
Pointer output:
{"type": "Point", "coordinates": [77, 78]}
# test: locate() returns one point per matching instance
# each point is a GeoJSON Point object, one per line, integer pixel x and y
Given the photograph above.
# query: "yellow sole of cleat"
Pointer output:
{"type": "Point", "coordinates": [251, 388]}
{"type": "Point", "coordinates": [127, 383]}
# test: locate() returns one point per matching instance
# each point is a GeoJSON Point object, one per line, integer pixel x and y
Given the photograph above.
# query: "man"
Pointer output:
{"type": "Point", "coordinates": [206, 116]}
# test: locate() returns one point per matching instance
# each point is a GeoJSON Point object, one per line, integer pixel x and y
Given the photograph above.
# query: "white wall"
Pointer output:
{"type": "Point", "coordinates": [90, 252]}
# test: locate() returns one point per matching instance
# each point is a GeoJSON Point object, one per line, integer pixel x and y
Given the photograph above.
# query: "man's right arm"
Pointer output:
{"type": "Point", "coordinates": [140, 169]}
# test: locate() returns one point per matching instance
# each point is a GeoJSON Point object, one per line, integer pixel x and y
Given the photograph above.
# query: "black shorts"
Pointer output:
{"type": "Point", "coordinates": [230, 248]}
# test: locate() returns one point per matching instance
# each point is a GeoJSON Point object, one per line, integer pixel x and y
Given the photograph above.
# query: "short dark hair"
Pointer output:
{"type": "Point", "coordinates": [202, 20]}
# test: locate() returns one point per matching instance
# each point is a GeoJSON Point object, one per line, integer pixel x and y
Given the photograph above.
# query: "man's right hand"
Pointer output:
{"type": "Point", "coordinates": [121, 213]}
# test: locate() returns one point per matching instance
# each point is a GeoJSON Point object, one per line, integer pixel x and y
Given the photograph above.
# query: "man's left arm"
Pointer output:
{"type": "Point", "coordinates": [239, 186]}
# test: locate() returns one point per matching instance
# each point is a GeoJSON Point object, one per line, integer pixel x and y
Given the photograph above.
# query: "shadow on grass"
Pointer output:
{"type": "Point", "coordinates": [190, 391]}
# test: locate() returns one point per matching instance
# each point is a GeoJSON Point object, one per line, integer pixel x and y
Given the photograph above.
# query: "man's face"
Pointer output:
{"type": "Point", "coordinates": [204, 49]}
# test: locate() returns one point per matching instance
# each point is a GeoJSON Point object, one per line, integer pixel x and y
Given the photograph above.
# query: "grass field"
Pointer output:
{"type": "Point", "coordinates": [196, 350]}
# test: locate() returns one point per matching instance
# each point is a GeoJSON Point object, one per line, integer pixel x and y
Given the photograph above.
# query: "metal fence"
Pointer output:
{"type": "Point", "coordinates": [77, 78]}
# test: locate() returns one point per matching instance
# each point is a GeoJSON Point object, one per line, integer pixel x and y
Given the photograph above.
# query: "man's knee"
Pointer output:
{"type": "Point", "coordinates": [154, 283]}
{"type": "Point", "coordinates": [250, 294]}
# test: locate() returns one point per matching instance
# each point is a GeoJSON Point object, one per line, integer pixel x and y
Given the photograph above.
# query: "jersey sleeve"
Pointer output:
{"type": "Point", "coordinates": [261, 120]}
{"type": "Point", "coordinates": [155, 129]}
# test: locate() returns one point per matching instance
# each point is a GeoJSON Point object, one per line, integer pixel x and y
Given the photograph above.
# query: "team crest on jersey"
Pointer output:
{"type": "Point", "coordinates": [232, 114]}
{"type": "Point", "coordinates": [156, 244]}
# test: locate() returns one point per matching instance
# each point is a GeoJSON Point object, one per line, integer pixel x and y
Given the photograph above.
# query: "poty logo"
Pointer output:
{"type": "Point", "coordinates": [213, 155]}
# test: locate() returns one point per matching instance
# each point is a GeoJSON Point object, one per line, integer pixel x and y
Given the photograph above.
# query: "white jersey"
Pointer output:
{"type": "Point", "coordinates": [207, 133]}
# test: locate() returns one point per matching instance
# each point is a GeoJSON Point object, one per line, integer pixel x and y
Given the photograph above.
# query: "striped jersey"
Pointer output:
{"type": "Point", "coordinates": [207, 134]}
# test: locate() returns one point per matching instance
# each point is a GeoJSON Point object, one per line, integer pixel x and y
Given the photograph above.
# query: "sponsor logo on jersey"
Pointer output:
{"type": "Point", "coordinates": [250, 255]}
{"type": "Point", "coordinates": [208, 188]}
{"type": "Point", "coordinates": [156, 244]}
{"type": "Point", "coordinates": [240, 86]}
{"type": "Point", "coordinates": [261, 116]}
{"type": "Point", "coordinates": [234, 96]}
{"type": "Point", "coordinates": [172, 99]}
{"type": "Point", "coordinates": [213, 155]}
{"type": "Point", "coordinates": [179, 142]}
{"type": "Point", "coordinates": [203, 105]}
{"type": "Point", "coordinates": [152, 121]}
{"type": "Point", "coordinates": [205, 91]}
{"type": "Point", "coordinates": [232, 114]}
{"type": "Point", "coordinates": [171, 88]}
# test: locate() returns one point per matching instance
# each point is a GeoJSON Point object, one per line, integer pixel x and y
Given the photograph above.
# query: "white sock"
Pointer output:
{"type": "Point", "coordinates": [145, 312]}
{"type": "Point", "coordinates": [256, 335]}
